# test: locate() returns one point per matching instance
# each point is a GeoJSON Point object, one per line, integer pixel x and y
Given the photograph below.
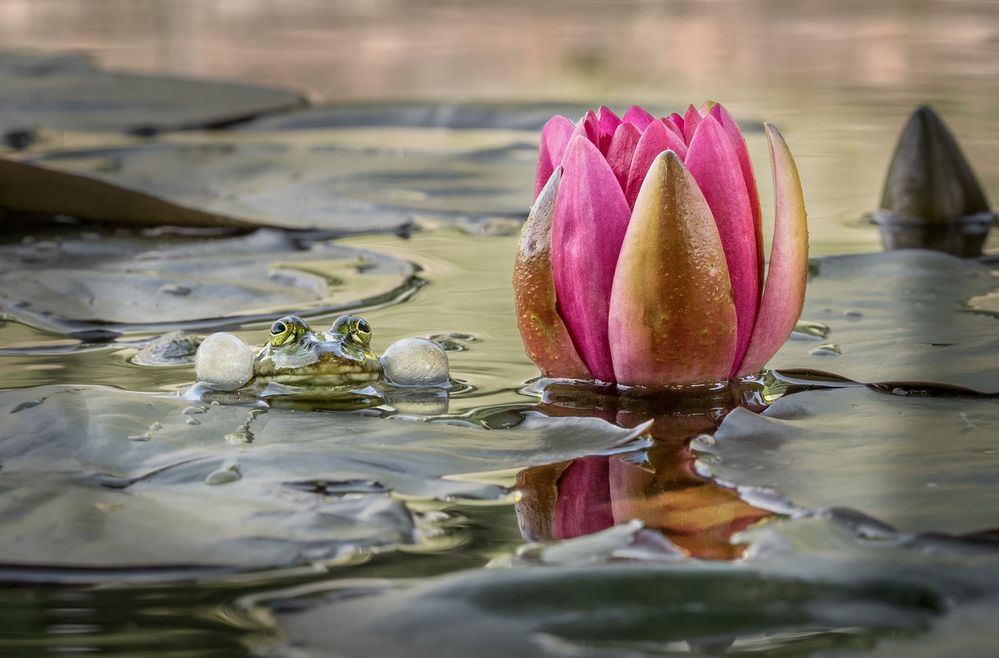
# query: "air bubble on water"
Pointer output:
{"type": "Point", "coordinates": [826, 349]}
{"type": "Point", "coordinates": [193, 421]}
{"type": "Point", "coordinates": [228, 472]}
{"type": "Point", "coordinates": [191, 411]}
{"type": "Point", "coordinates": [808, 330]}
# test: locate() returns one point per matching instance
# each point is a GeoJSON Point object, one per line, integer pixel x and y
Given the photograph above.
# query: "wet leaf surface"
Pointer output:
{"type": "Point", "coordinates": [899, 318]}
{"type": "Point", "coordinates": [650, 610]}
{"type": "Point", "coordinates": [342, 180]}
{"type": "Point", "coordinates": [916, 463]}
{"type": "Point", "coordinates": [93, 477]}
{"type": "Point", "coordinates": [809, 587]}
{"type": "Point", "coordinates": [65, 92]}
{"type": "Point", "coordinates": [135, 283]}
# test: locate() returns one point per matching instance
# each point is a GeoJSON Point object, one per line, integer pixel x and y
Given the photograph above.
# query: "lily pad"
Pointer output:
{"type": "Point", "coordinates": [99, 478]}
{"type": "Point", "coordinates": [343, 180]}
{"type": "Point", "coordinates": [452, 116]}
{"type": "Point", "coordinates": [149, 283]}
{"type": "Point", "coordinates": [899, 318]}
{"type": "Point", "coordinates": [633, 610]}
{"type": "Point", "coordinates": [64, 92]}
{"type": "Point", "coordinates": [917, 463]}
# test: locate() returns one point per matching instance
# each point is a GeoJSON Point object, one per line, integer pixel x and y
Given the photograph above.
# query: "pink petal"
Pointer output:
{"type": "Point", "coordinates": [715, 166]}
{"type": "Point", "coordinates": [588, 127]}
{"type": "Point", "coordinates": [739, 144]}
{"type": "Point", "coordinates": [584, 503]}
{"type": "Point", "coordinates": [622, 150]}
{"type": "Point", "coordinates": [545, 336]}
{"type": "Point", "coordinates": [690, 122]}
{"type": "Point", "coordinates": [677, 121]}
{"type": "Point", "coordinates": [554, 138]}
{"type": "Point", "coordinates": [672, 320]}
{"type": "Point", "coordinates": [639, 117]}
{"type": "Point", "coordinates": [656, 139]}
{"type": "Point", "coordinates": [677, 130]}
{"type": "Point", "coordinates": [607, 123]}
{"type": "Point", "coordinates": [784, 295]}
{"type": "Point", "coordinates": [591, 217]}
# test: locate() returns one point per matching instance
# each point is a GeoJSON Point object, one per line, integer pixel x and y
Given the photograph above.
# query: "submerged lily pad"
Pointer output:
{"type": "Point", "coordinates": [141, 283]}
{"type": "Point", "coordinates": [917, 463]}
{"type": "Point", "coordinates": [94, 477]}
{"type": "Point", "coordinates": [899, 318]}
{"type": "Point", "coordinates": [633, 610]}
{"type": "Point", "coordinates": [64, 92]}
{"type": "Point", "coordinates": [344, 180]}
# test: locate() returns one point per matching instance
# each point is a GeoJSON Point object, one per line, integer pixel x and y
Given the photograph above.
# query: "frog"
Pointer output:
{"type": "Point", "coordinates": [297, 355]}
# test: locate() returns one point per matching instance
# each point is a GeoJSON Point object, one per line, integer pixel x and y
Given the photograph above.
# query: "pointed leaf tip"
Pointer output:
{"type": "Point", "coordinates": [784, 292]}
{"type": "Point", "coordinates": [672, 320]}
{"type": "Point", "coordinates": [929, 179]}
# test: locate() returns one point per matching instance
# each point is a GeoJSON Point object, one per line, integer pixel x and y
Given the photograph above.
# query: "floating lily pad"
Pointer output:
{"type": "Point", "coordinates": [64, 92]}
{"type": "Point", "coordinates": [452, 116]}
{"type": "Point", "coordinates": [141, 283]}
{"type": "Point", "coordinates": [916, 463]}
{"type": "Point", "coordinates": [647, 610]}
{"type": "Point", "coordinates": [343, 180]}
{"type": "Point", "coordinates": [899, 318]}
{"type": "Point", "coordinates": [94, 477]}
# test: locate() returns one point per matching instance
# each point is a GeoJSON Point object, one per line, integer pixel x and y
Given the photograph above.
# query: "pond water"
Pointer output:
{"type": "Point", "coordinates": [841, 505]}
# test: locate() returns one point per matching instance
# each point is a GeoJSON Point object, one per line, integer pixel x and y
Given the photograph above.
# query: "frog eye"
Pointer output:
{"type": "Point", "coordinates": [287, 329]}
{"type": "Point", "coordinates": [363, 326]}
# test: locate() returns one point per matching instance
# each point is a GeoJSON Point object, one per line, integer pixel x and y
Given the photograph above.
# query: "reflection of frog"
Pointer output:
{"type": "Point", "coordinates": [295, 354]}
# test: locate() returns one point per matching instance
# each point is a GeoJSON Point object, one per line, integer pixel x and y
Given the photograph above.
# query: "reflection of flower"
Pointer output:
{"type": "Point", "coordinates": [642, 260]}
{"type": "Point", "coordinates": [661, 487]}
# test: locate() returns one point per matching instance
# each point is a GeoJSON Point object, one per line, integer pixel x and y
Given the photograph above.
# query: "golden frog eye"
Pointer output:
{"type": "Point", "coordinates": [287, 329]}
{"type": "Point", "coordinates": [353, 328]}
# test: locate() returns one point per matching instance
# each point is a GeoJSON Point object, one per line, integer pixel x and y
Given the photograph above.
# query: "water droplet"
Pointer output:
{"type": "Point", "coordinates": [826, 349]}
{"type": "Point", "coordinates": [191, 411]}
{"type": "Point", "coordinates": [228, 472]}
{"type": "Point", "coordinates": [807, 330]}
{"type": "Point", "coordinates": [193, 421]}
{"type": "Point", "coordinates": [155, 427]}
{"type": "Point", "coordinates": [145, 436]}
{"type": "Point", "coordinates": [239, 437]}
{"type": "Point", "coordinates": [176, 289]}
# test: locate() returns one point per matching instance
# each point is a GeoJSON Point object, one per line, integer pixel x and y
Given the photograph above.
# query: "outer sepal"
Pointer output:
{"type": "Point", "coordinates": [784, 294]}
{"type": "Point", "coordinates": [672, 320]}
{"type": "Point", "coordinates": [544, 333]}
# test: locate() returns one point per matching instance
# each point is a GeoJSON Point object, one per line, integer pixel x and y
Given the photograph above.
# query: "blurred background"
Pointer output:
{"type": "Point", "coordinates": [839, 78]}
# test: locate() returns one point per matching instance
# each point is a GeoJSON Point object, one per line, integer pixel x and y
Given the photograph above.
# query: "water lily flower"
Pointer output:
{"type": "Point", "coordinates": [641, 262]}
